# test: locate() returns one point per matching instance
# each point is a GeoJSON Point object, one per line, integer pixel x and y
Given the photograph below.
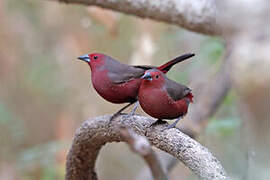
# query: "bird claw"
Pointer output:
{"type": "Point", "coordinates": [168, 127]}
{"type": "Point", "coordinates": [120, 111]}
{"type": "Point", "coordinates": [134, 108]}
{"type": "Point", "coordinates": [115, 116]}
{"type": "Point", "coordinates": [173, 124]}
{"type": "Point", "coordinates": [159, 121]}
{"type": "Point", "coordinates": [128, 116]}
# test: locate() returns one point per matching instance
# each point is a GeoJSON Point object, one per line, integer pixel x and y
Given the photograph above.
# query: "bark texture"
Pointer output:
{"type": "Point", "coordinates": [96, 132]}
{"type": "Point", "coordinates": [140, 145]}
{"type": "Point", "coordinates": [196, 15]}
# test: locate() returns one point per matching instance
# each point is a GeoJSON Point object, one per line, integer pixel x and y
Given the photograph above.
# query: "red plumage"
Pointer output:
{"type": "Point", "coordinates": [117, 82]}
{"type": "Point", "coordinates": [163, 98]}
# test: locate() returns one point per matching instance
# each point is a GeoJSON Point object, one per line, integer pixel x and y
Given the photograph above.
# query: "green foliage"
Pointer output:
{"type": "Point", "coordinates": [211, 50]}
{"type": "Point", "coordinates": [6, 115]}
{"type": "Point", "coordinates": [226, 121]}
{"type": "Point", "coordinates": [30, 10]}
{"type": "Point", "coordinates": [11, 130]}
{"type": "Point", "coordinates": [43, 154]}
{"type": "Point", "coordinates": [179, 76]}
{"type": "Point", "coordinates": [223, 127]}
{"type": "Point", "coordinates": [43, 78]}
{"type": "Point", "coordinates": [209, 55]}
{"type": "Point", "coordinates": [44, 157]}
{"type": "Point", "coordinates": [49, 173]}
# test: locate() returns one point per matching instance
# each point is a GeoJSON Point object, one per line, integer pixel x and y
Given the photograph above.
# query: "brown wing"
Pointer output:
{"type": "Point", "coordinates": [120, 73]}
{"type": "Point", "coordinates": [175, 90]}
{"type": "Point", "coordinates": [145, 67]}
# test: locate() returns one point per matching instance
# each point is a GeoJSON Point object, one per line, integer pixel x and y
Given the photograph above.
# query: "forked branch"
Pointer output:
{"type": "Point", "coordinates": [140, 145]}
{"type": "Point", "coordinates": [96, 132]}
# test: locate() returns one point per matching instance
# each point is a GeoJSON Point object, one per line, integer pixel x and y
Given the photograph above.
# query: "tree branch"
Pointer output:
{"type": "Point", "coordinates": [96, 132]}
{"type": "Point", "coordinates": [197, 15]}
{"type": "Point", "coordinates": [140, 145]}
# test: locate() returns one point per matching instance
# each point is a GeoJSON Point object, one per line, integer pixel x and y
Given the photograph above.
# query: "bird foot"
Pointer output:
{"type": "Point", "coordinates": [173, 124]}
{"type": "Point", "coordinates": [115, 116]}
{"type": "Point", "coordinates": [128, 116]}
{"type": "Point", "coordinates": [168, 127]}
{"type": "Point", "coordinates": [134, 108]}
{"type": "Point", "coordinates": [159, 121]}
{"type": "Point", "coordinates": [120, 111]}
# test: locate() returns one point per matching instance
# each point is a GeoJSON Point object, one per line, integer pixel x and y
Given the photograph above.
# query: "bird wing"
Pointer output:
{"type": "Point", "coordinates": [125, 75]}
{"type": "Point", "coordinates": [175, 90]}
{"type": "Point", "coordinates": [121, 73]}
{"type": "Point", "coordinates": [145, 67]}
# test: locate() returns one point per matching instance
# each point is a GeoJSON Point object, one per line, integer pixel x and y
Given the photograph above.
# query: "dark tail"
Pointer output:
{"type": "Point", "coordinates": [166, 67]}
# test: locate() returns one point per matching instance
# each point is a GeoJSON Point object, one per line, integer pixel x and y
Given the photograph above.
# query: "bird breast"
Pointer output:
{"type": "Point", "coordinates": [157, 103]}
{"type": "Point", "coordinates": [115, 93]}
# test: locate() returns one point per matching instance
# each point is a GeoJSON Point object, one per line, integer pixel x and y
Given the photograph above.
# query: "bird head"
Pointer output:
{"type": "Point", "coordinates": [153, 77]}
{"type": "Point", "coordinates": [93, 60]}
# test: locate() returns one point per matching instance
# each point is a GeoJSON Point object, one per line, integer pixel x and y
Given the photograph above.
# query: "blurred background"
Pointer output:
{"type": "Point", "coordinates": [45, 92]}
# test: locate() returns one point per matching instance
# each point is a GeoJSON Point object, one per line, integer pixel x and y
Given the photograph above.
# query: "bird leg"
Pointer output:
{"type": "Point", "coordinates": [159, 121]}
{"type": "Point", "coordinates": [173, 124]}
{"type": "Point", "coordinates": [122, 109]}
{"type": "Point", "coordinates": [134, 108]}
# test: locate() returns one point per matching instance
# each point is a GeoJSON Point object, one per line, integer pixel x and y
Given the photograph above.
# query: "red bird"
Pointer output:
{"type": "Point", "coordinates": [117, 82]}
{"type": "Point", "coordinates": [163, 98]}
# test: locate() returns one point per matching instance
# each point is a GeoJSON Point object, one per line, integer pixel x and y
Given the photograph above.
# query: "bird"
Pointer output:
{"type": "Point", "coordinates": [163, 98]}
{"type": "Point", "coordinates": [119, 83]}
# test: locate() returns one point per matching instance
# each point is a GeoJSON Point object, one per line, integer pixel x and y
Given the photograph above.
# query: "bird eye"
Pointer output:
{"type": "Point", "coordinates": [95, 57]}
{"type": "Point", "coordinates": [157, 76]}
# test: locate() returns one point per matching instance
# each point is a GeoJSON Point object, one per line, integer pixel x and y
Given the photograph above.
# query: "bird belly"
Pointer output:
{"type": "Point", "coordinates": [116, 93]}
{"type": "Point", "coordinates": [159, 105]}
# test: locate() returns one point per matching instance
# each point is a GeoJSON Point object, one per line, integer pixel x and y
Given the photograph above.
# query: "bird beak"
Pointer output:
{"type": "Point", "coordinates": [147, 76]}
{"type": "Point", "coordinates": [85, 58]}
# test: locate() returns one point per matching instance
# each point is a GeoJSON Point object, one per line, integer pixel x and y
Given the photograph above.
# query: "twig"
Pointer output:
{"type": "Point", "coordinates": [96, 132]}
{"type": "Point", "coordinates": [140, 145]}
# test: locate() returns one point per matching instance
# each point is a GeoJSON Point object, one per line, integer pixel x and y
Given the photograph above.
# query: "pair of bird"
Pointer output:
{"type": "Point", "coordinates": [120, 83]}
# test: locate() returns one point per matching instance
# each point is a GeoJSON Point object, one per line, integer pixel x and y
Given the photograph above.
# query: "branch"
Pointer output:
{"type": "Point", "coordinates": [140, 145]}
{"type": "Point", "coordinates": [96, 132]}
{"type": "Point", "coordinates": [167, 162]}
{"type": "Point", "coordinates": [197, 15]}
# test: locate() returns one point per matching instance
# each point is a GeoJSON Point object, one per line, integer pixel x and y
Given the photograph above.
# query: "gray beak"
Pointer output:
{"type": "Point", "coordinates": [85, 58]}
{"type": "Point", "coordinates": [147, 76]}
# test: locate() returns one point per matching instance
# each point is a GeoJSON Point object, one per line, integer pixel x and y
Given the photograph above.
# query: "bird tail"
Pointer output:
{"type": "Point", "coordinates": [190, 97]}
{"type": "Point", "coordinates": [167, 66]}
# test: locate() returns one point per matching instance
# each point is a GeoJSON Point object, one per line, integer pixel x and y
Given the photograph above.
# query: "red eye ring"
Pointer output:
{"type": "Point", "coordinates": [95, 57]}
{"type": "Point", "coordinates": [157, 76]}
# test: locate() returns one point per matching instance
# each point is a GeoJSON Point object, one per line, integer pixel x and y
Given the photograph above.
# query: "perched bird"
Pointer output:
{"type": "Point", "coordinates": [117, 82]}
{"type": "Point", "coordinates": [163, 98]}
